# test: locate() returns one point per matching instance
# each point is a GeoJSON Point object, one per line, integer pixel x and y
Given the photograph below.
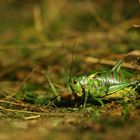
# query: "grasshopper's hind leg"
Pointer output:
{"type": "Point", "coordinates": [99, 100]}
{"type": "Point", "coordinates": [85, 100]}
{"type": "Point", "coordinates": [117, 66]}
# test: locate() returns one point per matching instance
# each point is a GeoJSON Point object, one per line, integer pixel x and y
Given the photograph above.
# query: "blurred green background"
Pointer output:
{"type": "Point", "coordinates": [93, 23]}
{"type": "Point", "coordinates": [39, 33]}
{"type": "Point", "coordinates": [36, 43]}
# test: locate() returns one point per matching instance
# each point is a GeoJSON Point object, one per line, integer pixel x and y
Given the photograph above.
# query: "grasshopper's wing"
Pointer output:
{"type": "Point", "coordinates": [117, 66]}
{"type": "Point", "coordinates": [117, 87]}
{"type": "Point", "coordinates": [119, 91]}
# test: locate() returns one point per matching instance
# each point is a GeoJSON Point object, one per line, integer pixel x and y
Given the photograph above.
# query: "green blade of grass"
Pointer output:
{"type": "Point", "coordinates": [51, 85]}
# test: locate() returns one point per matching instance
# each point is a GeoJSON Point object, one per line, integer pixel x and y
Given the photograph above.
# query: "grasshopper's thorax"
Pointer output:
{"type": "Point", "coordinates": [77, 84]}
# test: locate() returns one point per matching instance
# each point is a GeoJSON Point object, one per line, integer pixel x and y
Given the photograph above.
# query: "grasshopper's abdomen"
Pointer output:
{"type": "Point", "coordinates": [102, 84]}
{"type": "Point", "coordinates": [111, 77]}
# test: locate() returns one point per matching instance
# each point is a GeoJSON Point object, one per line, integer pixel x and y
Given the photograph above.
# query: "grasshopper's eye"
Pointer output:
{"type": "Point", "coordinates": [75, 82]}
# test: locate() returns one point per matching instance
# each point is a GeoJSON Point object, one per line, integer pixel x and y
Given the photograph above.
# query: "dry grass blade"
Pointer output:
{"type": "Point", "coordinates": [51, 85]}
{"type": "Point", "coordinates": [14, 103]}
{"type": "Point", "coordinates": [32, 117]}
{"type": "Point", "coordinates": [110, 62]}
{"type": "Point", "coordinates": [39, 114]}
{"type": "Point", "coordinates": [21, 111]}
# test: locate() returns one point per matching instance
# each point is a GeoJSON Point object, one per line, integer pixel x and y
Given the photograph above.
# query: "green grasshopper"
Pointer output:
{"type": "Point", "coordinates": [104, 85]}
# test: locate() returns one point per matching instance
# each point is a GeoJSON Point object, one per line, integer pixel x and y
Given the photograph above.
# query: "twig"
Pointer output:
{"type": "Point", "coordinates": [49, 114]}
{"type": "Point", "coordinates": [24, 106]}
{"type": "Point", "coordinates": [21, 111]}
{"type": "Point", "coordinates": [13, 103]}
{"type": "Point", "coordinates": [32, 117]}
{"type": "Point", "coordinates": [110, 62]}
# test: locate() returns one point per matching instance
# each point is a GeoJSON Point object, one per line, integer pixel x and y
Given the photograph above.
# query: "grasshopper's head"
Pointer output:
{"type": "Point", "coordinates": [76, 86]}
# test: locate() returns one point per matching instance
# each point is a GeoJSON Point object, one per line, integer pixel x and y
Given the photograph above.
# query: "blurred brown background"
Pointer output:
{"type": "Point", "coordinates": [99, 23]}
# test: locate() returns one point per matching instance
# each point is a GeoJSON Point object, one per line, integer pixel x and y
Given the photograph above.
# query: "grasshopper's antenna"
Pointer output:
{"type": "Point", "coordinates": [72, 59]}
{"type": "Point", "coordinates": [69, 67]}
{"type": "Point", "coordinates": [65, 56]}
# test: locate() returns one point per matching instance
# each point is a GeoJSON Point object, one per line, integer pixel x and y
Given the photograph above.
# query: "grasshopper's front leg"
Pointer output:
{"type": "Point", "coordinates": [99, 100]}
{"type": "Point", "coordinates": [85, 100]}
{"type": "Point", "coordinates": [95, 96]}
